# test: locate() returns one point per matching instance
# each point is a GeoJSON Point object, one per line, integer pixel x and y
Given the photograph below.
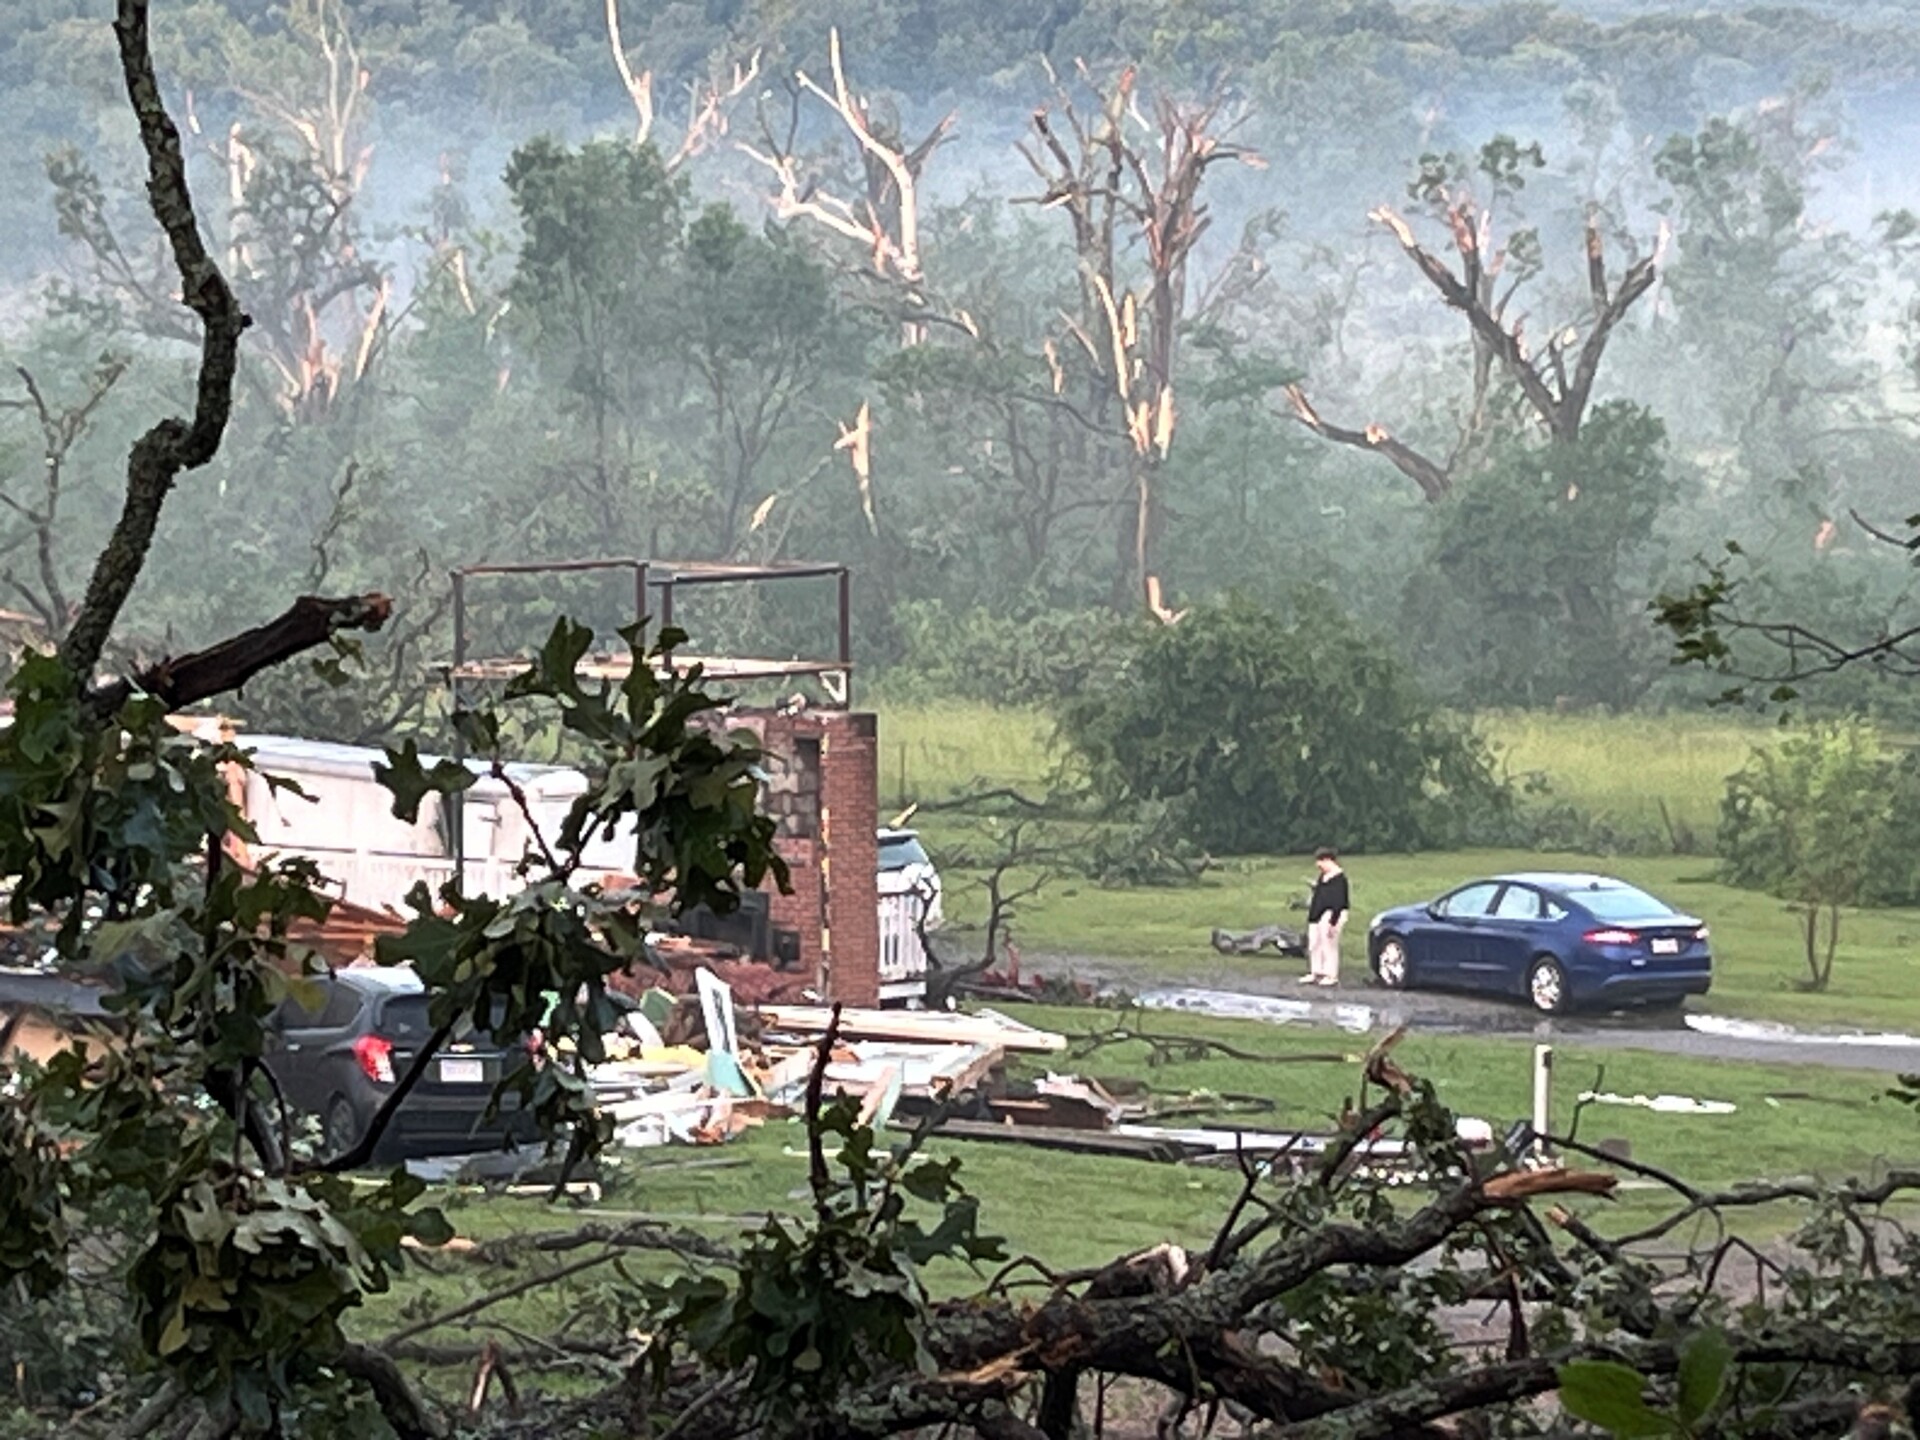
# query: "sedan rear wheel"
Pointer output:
{"type": "Point", "coordinates": [341, 1131]}
{"type": "Point", "coordinates": [1390, 965]}
{"type": "Point", "coordinates": [1547, 986]}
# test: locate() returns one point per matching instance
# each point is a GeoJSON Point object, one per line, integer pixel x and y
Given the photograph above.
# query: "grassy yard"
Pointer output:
{"type": "Point", "coordinates": [1619, 768]}
{"type": "Point", "coordinates": [1076, 1211]}
{"type": "Point", "coordinates": [1756, 943]}
{"type": "Point", "coordinates": [930, 752]}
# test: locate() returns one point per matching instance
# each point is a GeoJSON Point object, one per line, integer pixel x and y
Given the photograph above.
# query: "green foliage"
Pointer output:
{"type": "Point", "coordinates": [243, 1257]}
{"type": "Point", "coordinates": [239, 1275]}
{"type": "Point", "coordinates": [1279, 733]}
{"type": "Point", "coordinates": [818, 1308]}
{"type": "Point", "coordinates": [1527, 597]}
{"type": "Point", "coordinates": [1612, 1396]}
{"type": "Point", "coordinates": [681, 805]}
{"type": "Point", "coordinates": [242, 1289]}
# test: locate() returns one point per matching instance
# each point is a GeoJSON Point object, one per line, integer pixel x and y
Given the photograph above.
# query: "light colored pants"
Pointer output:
{"type": "Point", "coordinates": [1323, 948]}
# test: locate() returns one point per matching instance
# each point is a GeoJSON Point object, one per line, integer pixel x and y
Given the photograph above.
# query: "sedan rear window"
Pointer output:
{"type": "Point", "coordinates": [1621, 902]}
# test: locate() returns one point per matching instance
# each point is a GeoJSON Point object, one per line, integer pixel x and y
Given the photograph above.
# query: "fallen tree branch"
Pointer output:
{"type": "Point", "coordinates": [640, 1235]}
{"type": "Point", "coordinates": [551, 1354]}
{"type": "Point", "coordinates": [1168, 1049]}
{"type": "Point", "coordinates": [495, 1297]}
{"type": "Point", "coordinates": [1469, 1389]}
{"type": "Point", "coordinates": [1895, 1182]}
{"type": "Point", "coordinates": [188, 679]}
{"type": "Point", "coordinates": [402, 1408]}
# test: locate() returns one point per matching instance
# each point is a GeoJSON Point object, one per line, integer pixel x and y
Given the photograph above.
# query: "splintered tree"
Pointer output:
{"type": "Point", "coordinates": [223, 1251]}
{"type": "Point", "coordinates": [1555, 378]}
{"type": "Point", "coordinates": [710, 99]}
{"type": "Point", "coordinates": [884, 221]}
{"type": "Point", "coordinates": [294, 247]}
{"type": "Point", "coordinates": [1121, 178]}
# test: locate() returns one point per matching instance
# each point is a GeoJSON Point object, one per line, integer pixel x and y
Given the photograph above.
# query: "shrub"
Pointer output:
{"type": "Point", "coordinates": [1278, 732]}
{"type": "Point", "coordinates": [1823, 820]}
{"type": "Point", "coordinates": [1528, 591]}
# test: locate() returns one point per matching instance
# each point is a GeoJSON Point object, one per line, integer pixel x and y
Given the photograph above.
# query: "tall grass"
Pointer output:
{"type": "Point", "coordinates": [1661, 774]}
{"type": "Point", "coordinates": [934, 751]}
{"type": "Point", "coordinates": [1619, 769]}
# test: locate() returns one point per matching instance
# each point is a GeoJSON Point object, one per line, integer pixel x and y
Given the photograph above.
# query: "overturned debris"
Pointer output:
{"type": "Point", "coordinates": [1252, 942]}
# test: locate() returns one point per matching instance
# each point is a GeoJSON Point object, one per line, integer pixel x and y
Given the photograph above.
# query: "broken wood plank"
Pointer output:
{"type": "Point", "coordinates": [1078, 1142]}
{"type": "Point", "coordinates": [987, 1028]}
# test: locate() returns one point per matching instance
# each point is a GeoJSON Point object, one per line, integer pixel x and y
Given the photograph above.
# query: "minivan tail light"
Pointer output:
{"type": "Point", "coordinates": [376, 1058]}
{"type": "Point", "coordinates": [1611, 937]}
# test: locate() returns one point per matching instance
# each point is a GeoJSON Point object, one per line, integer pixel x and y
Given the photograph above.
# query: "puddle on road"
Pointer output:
{"type": "Point", "coordinates": [1360, 1019]}
{"type": "Point", "coordinates": [1768, 1032]}
{"type": "Point", "coordinates": [1232, 1005]}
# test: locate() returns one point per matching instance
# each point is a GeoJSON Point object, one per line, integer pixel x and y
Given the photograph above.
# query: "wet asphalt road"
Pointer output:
{"type": "Point", "coordinates": [1267, 988]}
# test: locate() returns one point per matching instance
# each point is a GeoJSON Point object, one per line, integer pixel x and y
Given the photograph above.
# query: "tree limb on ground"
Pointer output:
{"type": "Point", "coordinates": [1180, 1337]}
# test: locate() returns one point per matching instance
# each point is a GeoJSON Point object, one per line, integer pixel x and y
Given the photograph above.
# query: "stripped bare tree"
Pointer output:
{"type": "Point", "coordinates": [1554, 380]}
{"type": "Point", "coordinates": [176, 445]}
{"type": "Point", "coordinates": [1120, 178]}
{"type": "Point", "coordinates": [710, 100]}
{"type": "Point", "coordinates": [319, 304]}
{"type": "Point", "coordinates": [885, 220]}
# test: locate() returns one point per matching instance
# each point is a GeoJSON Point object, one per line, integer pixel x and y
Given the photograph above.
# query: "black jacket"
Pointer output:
{"type": "Point", "coordinates": [1330, 897]}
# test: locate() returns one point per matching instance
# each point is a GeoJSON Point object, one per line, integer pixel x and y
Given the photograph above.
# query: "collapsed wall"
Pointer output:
{"type": "Point", "coordinates": [823, 793]}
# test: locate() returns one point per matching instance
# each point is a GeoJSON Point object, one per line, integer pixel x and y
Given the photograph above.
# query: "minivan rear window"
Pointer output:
{"type": "Point", "coordinates": [404, 1017]}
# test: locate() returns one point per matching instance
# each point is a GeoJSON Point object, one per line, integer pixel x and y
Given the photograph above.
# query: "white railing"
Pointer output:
{"type": "Point", "coordinates": [903, 958]}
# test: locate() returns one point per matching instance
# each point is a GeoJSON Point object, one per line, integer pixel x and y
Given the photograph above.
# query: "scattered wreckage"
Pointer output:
{"type": "Point", "coordinates": [1252, 942]}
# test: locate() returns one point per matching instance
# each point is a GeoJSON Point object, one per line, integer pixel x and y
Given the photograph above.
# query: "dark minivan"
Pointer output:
{"type": "Point", "coordinates": [341, 1061]}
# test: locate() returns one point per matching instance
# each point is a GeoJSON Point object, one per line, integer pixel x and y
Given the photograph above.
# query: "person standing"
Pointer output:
{"type": "Point", "coordinates": [1326, 919]}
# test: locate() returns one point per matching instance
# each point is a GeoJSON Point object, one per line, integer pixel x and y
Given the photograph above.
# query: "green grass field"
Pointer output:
{"type": "Point", "coordinates": [932, 752]}
{"type": "Point", "coordinates": [1616, 768]}
{"type": "Point", "coordinates": [1619, 767]}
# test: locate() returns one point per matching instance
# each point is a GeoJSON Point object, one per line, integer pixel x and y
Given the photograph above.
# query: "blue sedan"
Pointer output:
{"type": "Point", "coordinates": [1560, 941]}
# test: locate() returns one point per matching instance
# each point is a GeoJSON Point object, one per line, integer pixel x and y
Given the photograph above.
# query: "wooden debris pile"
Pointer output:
{"type": "Point", "coordinates": [696, 1071]}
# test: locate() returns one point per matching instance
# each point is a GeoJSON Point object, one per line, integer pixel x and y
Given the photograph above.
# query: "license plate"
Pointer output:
{"type": "Point", "coordinates": [462, 1072]}
{"type": "Point", "coordinates": [1666, 947]}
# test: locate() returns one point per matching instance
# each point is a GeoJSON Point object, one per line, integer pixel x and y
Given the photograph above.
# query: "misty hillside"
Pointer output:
{"type": "Point", "coordinates": [488, 324]}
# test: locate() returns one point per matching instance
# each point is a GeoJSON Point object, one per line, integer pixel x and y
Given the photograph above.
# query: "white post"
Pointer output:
{"type": "Point", "coordinates": [1542, 1097]}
